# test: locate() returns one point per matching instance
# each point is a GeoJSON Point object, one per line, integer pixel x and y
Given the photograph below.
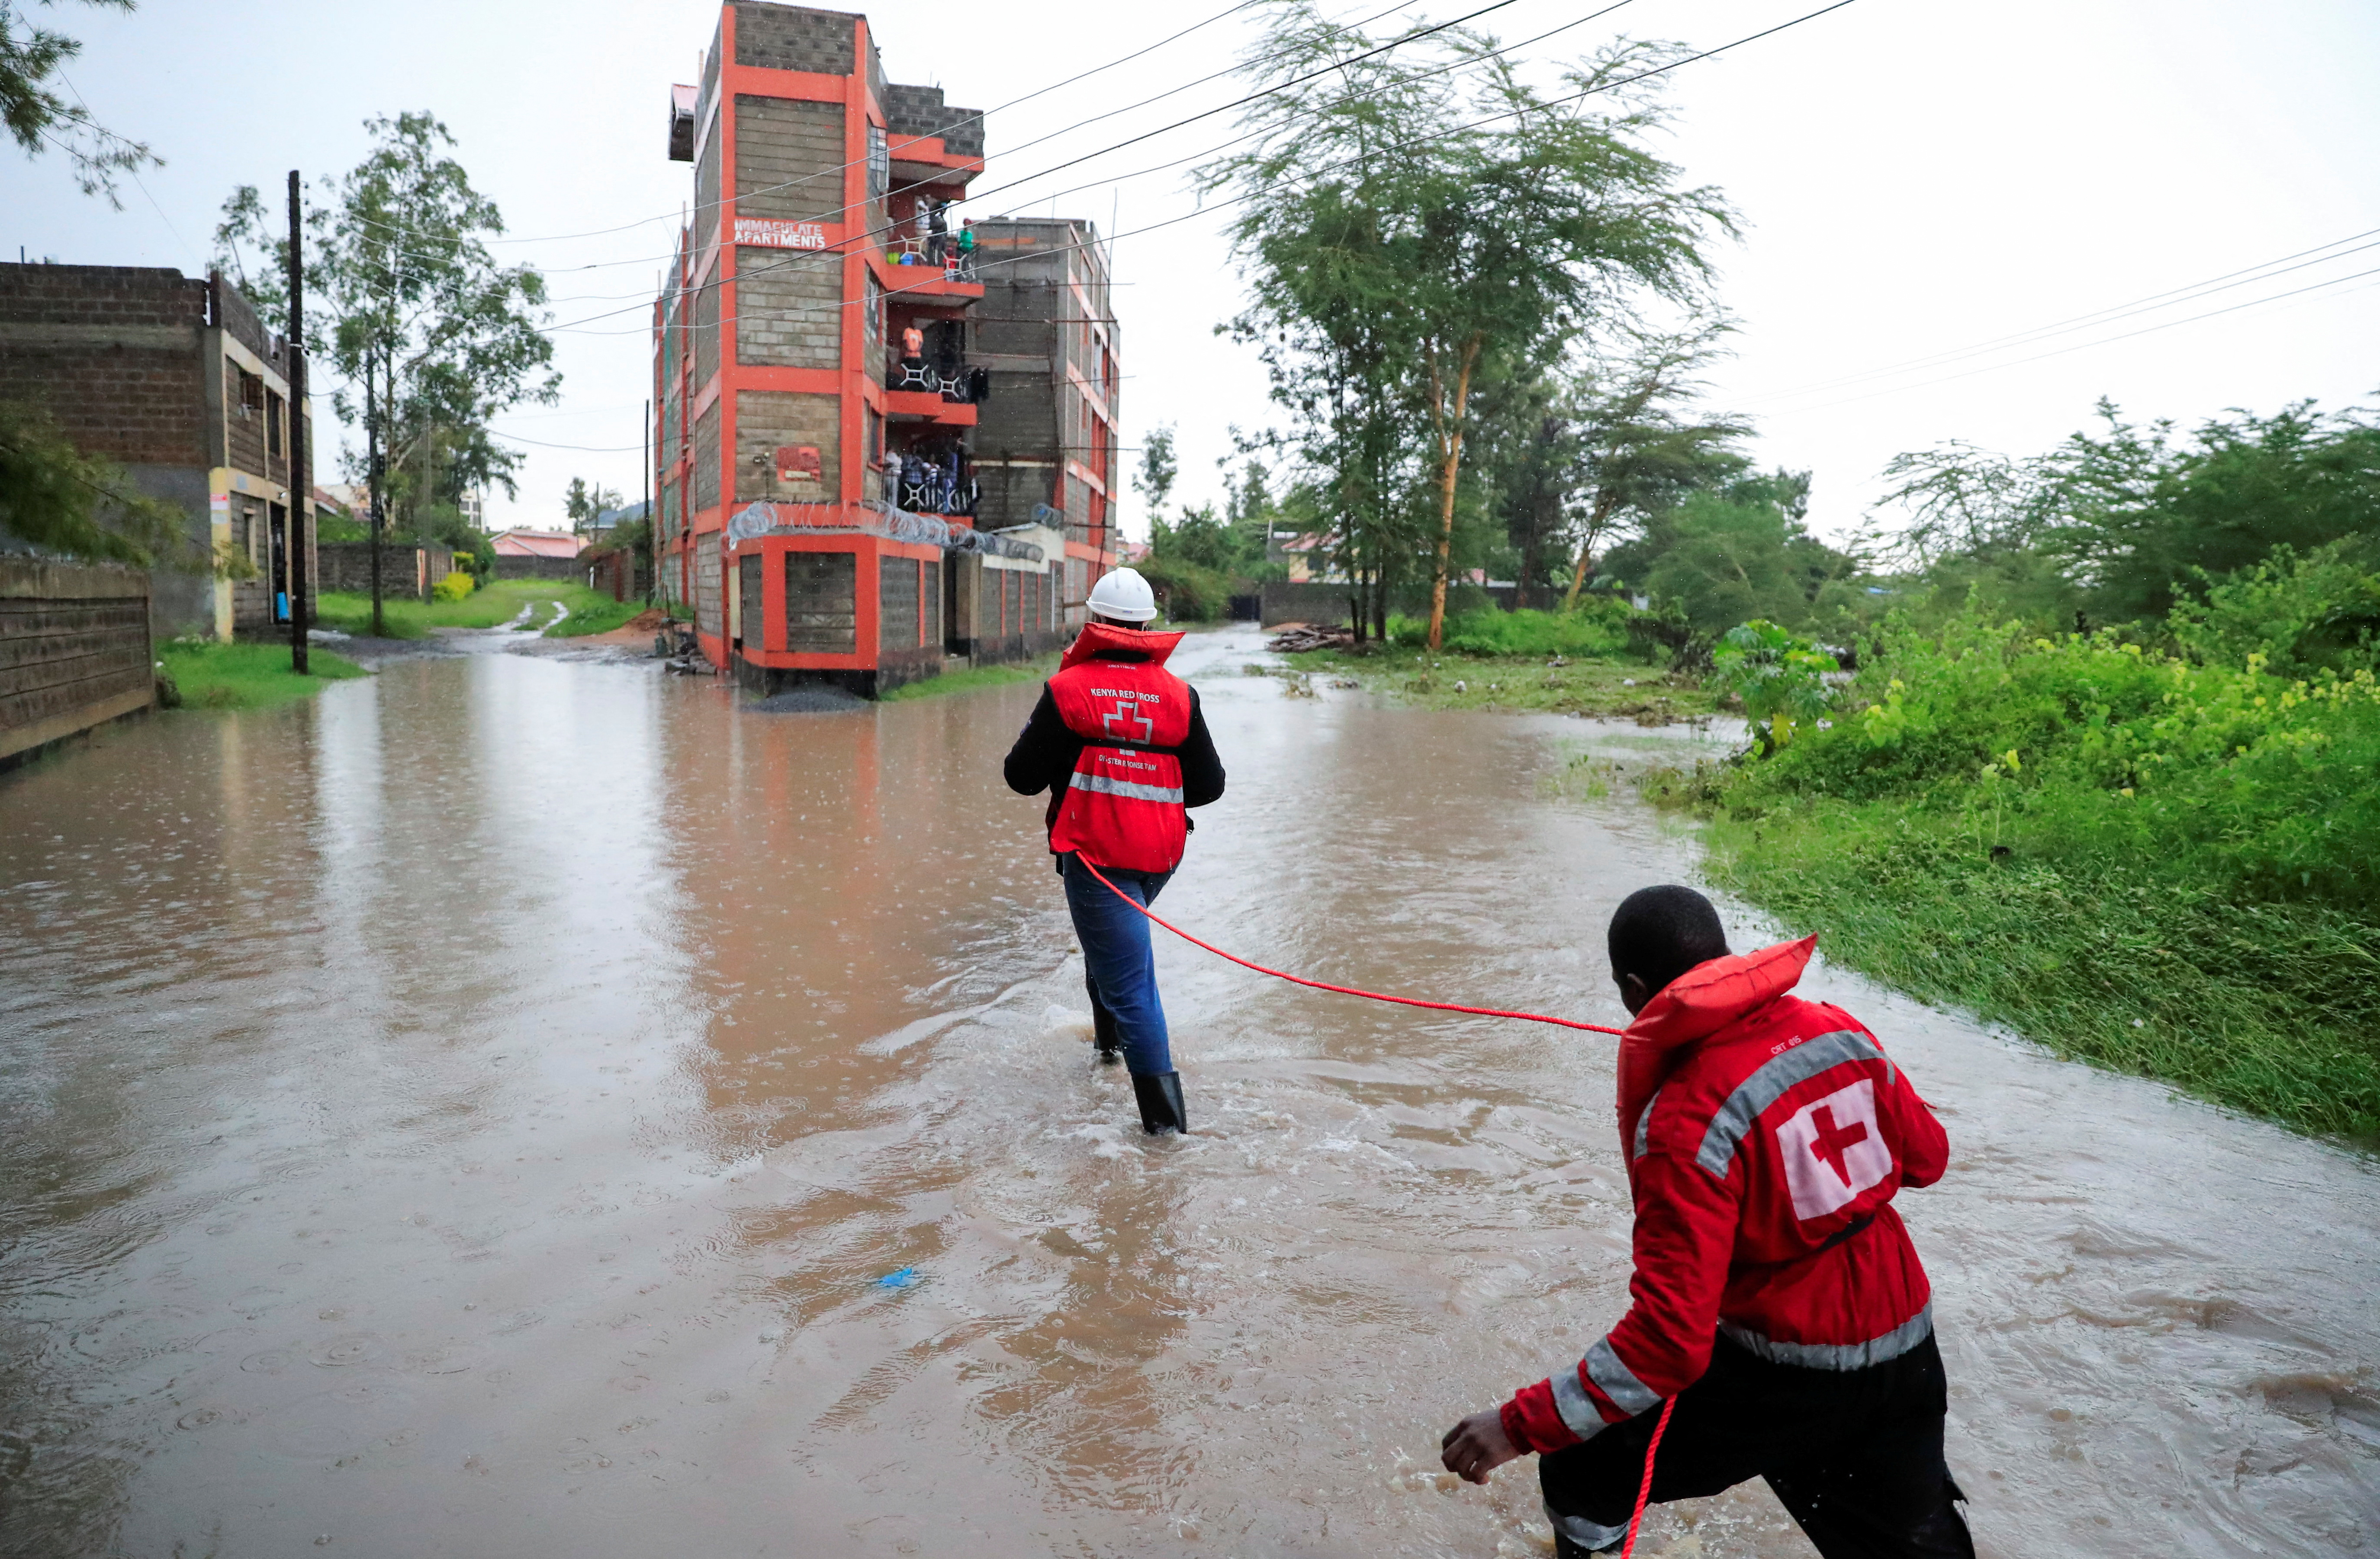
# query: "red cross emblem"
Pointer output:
{"type": "Point", "coordinates": [1128, 710]}
{"type": "Point", "coordinates": [1831, 1140]}
{"type": "Point", "coordinates": [1832, 1149]}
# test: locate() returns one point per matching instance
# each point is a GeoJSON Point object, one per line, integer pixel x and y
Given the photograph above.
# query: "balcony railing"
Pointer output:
{"type": "Point", "coordinates": [961, 383]}
{"type": "Point", "coordinates": [923, 486]}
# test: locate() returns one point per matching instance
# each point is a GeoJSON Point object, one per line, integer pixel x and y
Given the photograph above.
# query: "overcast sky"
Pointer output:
{"type": "Point", "coordinates": [1917, 178]}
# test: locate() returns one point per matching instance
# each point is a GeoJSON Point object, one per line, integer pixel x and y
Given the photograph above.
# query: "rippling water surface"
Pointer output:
{"type": "Point", "coordinates": [474, 1113]}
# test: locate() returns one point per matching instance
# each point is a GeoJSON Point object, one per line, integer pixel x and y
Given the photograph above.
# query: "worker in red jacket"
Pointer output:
{"type": "Point", "coordinates": [1121, 745]}
{"type": "Point", "coordinates": [1777, 1296]}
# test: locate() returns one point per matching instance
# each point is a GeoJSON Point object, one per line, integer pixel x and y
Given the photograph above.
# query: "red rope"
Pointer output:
{"type": "Point", "coordinates": [1341, 990]}
{"type": "Point", "coordinates": [1645, 1490]}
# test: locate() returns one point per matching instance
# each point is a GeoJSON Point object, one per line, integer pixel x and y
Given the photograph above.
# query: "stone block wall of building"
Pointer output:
{"type": "Point", "coordinates": [767, 418]}
{"type": "Point", "coordinates": [795, 38]}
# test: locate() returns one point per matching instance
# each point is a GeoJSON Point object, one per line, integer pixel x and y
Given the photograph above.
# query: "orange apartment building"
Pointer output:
{"type": "Point", "coordinates": [820, 382]}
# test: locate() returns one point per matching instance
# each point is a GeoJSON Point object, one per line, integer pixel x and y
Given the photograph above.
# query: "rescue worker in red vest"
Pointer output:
{"type": "Point", "coordinates": [1776, 1295]}
{"type": "Point", "coordinates": [1120, 744]}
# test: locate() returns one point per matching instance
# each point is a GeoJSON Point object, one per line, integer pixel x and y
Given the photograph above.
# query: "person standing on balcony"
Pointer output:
{"type": "Point", "coordinates": [938, 229]}
{"type": "Point", "coordinates": [1121, 745]}
{"type": "Point", "coordinates": [966, 248]}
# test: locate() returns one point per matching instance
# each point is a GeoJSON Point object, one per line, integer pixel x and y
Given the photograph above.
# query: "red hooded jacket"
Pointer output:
{"type": "Point", "coordinates": [1766, 1136]}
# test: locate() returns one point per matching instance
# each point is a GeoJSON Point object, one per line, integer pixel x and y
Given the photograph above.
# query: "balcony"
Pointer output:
{"type": "Point", "coordinates": [917, 388]}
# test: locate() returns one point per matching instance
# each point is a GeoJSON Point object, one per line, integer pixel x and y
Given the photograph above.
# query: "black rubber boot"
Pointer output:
{"type": "Point", "coordinates": [1160, 1098]}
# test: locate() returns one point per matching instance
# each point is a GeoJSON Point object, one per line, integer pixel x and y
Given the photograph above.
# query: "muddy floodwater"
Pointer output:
{"type": "Point", "coordinates": [477, 1112]}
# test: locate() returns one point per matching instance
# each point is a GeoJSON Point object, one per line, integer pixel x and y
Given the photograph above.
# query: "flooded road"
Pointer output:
{"type": "Point", "coordinates": [477, 1114]}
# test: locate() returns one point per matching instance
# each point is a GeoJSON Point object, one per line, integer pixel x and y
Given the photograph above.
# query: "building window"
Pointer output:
{"type": "Point", "coordinates": [273, 406]}
{"type": "Point", "coordinates": [251, 393]}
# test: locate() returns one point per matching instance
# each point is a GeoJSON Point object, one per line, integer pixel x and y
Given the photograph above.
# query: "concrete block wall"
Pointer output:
{"type": "Point", "coordinates": [74, 650]}
{"type": "Point", "coordinates": [766, 419]}
{"type": "Point", "coordinates": [111, 353]}
{"type": "Point", "coordinates": [789, 159]}
{"type": "Point", "coordinates": [706, 459]}
{"type": "Point", "coordinates": [779, 37]}
{"type": "Point", "coordinates": [922, 111]}
{"type": "Point", "coordinates": [789, 309]}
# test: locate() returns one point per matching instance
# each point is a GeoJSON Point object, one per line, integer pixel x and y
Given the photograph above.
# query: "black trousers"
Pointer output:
{"type": "Point", "coordinates": [1855, 1455]}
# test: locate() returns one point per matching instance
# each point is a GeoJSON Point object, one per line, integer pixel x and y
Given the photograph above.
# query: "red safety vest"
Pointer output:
{"type": "Point", "coordinates": [1122, 805]}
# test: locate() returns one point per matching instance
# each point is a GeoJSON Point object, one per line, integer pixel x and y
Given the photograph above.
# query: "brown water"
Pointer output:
{"type": "Point", "coordinates": [471, 1114]}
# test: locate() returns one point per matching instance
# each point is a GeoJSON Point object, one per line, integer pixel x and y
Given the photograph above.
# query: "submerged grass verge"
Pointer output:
{"type": "Point", "coordinates": [218, 677]}
{"type": "Point", "coordinates": [1509, 683]}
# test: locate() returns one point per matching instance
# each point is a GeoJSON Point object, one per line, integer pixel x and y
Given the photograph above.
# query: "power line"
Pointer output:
{"type": "Point", "coordinates": [844, 246]}
{"type": "Point", "coordinates": [2083, 346]}
{"type": "Point", "coordinates": [1234, 200]}
{"type": "Point", "coordinates": [2263, 271]}
{"type": "Point", "coordinates": [977, 118]}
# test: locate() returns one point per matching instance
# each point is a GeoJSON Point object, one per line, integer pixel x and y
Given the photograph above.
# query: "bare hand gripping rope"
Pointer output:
{"type": "Point", "coordinates": [1645, 1488]}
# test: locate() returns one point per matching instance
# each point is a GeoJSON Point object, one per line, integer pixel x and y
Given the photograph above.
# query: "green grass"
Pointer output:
{"type": "Point", "coordinates": [2164, 866]}
{"type": "Point", "coordinates": [1512, 684]}
{"type": "Point", "coordinates": [973, 679]}
{"type": "Point", "coordinates": [494, 603]}
{"type": "Point", "coordinates": [218, 677]}
{"type": "Point", "coordinates": [2269, 1008]}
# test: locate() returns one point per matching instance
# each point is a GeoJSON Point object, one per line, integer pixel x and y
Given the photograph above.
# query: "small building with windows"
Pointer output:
{"type": "Point", "coordinates": [819, 491]}
{"type": "Point", "coordinates": [177, 381]}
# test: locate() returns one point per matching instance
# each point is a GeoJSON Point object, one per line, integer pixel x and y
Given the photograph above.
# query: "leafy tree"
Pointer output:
{"type": "Point", "coordinates": [2123, 523]}
{"type": "Point", "coordinates": [1421, 220]}
{"type": "Point", "coordinates": [56, 497]}
{"type": "Point", "coordinates": [1153, 480]}
{"type": "Point", "coordinates": [1729, 557]}
{"type": "Point", "coordinates": [585, 503]}
{"type": "Point", "coordinates": [30, 56]}
{"type": "Point", "coordinates": [1642, 453]}
{"type": "Point", "coordinates": [432, 337]}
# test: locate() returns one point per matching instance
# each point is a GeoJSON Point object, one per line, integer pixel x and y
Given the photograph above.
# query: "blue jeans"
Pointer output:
{"type": "Point", "coordinates": [1119, 964]}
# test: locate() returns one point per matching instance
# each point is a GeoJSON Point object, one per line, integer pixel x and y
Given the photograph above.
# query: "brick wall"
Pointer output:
{"type": "Point", "coordinates": [788, 308]}
{"type": "Point", "coordinates": [766, 419]}
{"type": "Point", "coordinates": [789, 159]}
{"type": "Point", "coordinates": [795, 38]}
{"type": "Point", "coordinates": [111, 353]}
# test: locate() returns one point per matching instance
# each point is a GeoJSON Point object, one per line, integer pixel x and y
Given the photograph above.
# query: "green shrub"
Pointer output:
{"type": "Point", "coordinates": [457, 585]}
{"type": "Point", "coordinates": [1598, 628]}
{"type": "Point", "coordinates": [1781, 680]}
{"type": "Point", "coordinates": [1185, 591]}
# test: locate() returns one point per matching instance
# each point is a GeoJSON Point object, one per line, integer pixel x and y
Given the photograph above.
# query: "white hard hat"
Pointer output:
{"type": "Point", "coordinates": [1123, 594]}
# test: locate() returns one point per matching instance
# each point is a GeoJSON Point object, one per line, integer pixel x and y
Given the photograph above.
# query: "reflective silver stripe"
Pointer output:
{"type": "Point", "coordinates": [1126, 789]}
{"type": "Point", "coordinates": [1586, 1533]}
{"type": "Point", "coordinates": [1645, 1128]}
{"type": "Point", "coordinates": [1836, 1356]}
{"type": "Point", "coordinates": [1577, 1409]}
{"type": "Point", "coordinates": [1767, 1085]}
{"type": "Point", "coordinates": [1615, 1380]}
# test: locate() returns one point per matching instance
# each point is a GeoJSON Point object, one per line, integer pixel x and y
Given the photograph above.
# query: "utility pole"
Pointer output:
{"type": "Point", "coordinates": [652, 528]}
{"type": "Point", "coordinates": [302, 477]}
{"type": "Point", "coordinates": [372, 483]}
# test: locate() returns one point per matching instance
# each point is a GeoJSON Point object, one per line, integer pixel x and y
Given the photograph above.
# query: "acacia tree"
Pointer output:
{"type": "Point", "coordinates": [1423, 215]}
{"type": "Point", "coordinates": [431, 338]}
{"type": "Point", "coordinates": [36, 116]}
{"type": "Point", "coordinates": [1640, 450]}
